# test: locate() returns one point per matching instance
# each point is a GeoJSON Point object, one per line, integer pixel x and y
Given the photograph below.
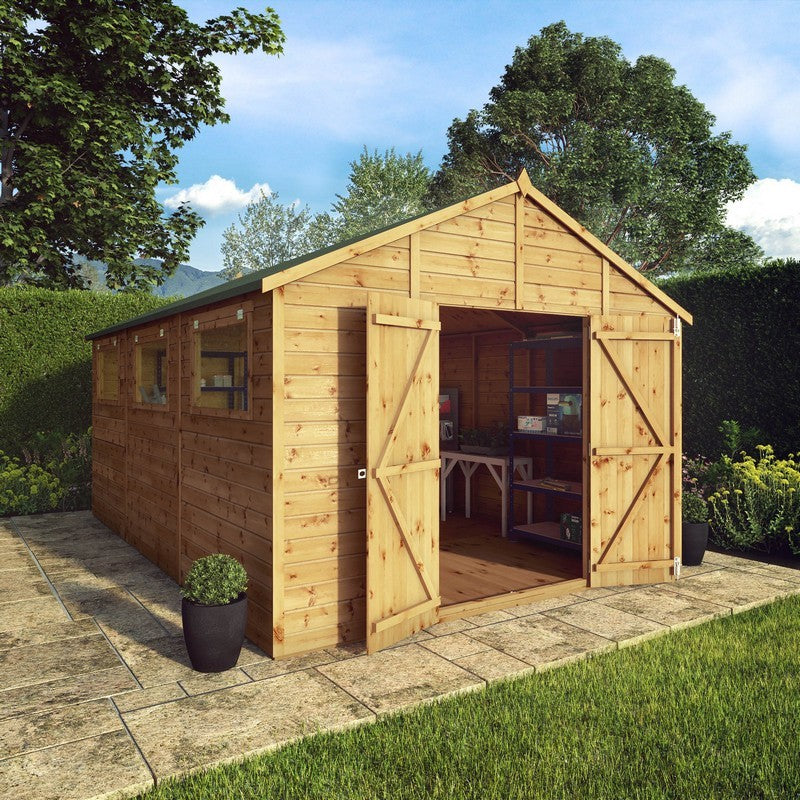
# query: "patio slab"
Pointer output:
{"type": "Point", "coordinates": [187, 734]}
{"type": "Point", "coordinates": [399, 677]}
{"type": "Point", "coordinates": [541, 641]}
{"type": "Point", "coordinates": [104, 766]}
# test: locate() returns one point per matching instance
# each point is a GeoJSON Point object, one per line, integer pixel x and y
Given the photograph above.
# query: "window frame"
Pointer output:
{"type": "Point", "coordinates": [210, 320]}
{"type": "Point", "coordinates": [100, 348]}
{"type": "Point", "coordinates": [145, 337]}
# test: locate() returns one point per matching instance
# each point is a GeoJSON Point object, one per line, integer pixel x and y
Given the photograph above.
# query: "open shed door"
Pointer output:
{"type": "Point", "coordinates": [402, 468]}
{"type": "Point", "coordinates": [635, 449]}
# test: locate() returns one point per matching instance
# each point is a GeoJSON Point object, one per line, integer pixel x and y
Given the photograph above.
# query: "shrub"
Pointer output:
{"type": "Point", "coordinates": [693, 508]}
{"type": "Point", "coordinates": [758, 505]}
{"type": "Point", "coordinates": [215, 580]}
{"type": "Point", "coordinates": [68, 456]}
{"type": "Point", "coordinates": [740, 355]}
{"type": "Point", "coordinates": [27, 488]}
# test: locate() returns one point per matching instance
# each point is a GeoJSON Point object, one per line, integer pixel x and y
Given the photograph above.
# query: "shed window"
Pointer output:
{"type": "Point", "coordinates": [108, 372]}
{"type": "Point", "coordinates": [151, 372]}
{"type": "Point", "coordinates": [222, 368]}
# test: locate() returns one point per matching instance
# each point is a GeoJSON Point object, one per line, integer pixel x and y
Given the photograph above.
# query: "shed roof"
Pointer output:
{"type": "Point", "coordinates": [303, 266]}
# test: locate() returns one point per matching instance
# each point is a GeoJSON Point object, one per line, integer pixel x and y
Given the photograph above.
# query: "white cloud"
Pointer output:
{"type": "Point", "coordinates": [217, 196]}
{"type": "Point", "coordinates": [770, 213]}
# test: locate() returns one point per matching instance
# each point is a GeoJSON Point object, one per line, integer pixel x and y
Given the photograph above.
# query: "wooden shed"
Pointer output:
{"type": "Point", "coordinates": [292, 418]}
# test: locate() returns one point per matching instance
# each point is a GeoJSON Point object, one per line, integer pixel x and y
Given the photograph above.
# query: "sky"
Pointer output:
{"type": "Point", "coordinates": [385, 74]}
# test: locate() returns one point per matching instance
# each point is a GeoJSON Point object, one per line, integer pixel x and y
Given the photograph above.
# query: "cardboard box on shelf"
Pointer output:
{"type": "Point", "coordinates": [532, 424]}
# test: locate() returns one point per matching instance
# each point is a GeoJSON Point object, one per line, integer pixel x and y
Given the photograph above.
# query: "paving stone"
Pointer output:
{"type": "Point", "coordinates": [46, 632]}
{"type": "Point", "coordinates": [22, 584]}
{"type": "Point", "coordinates": [211, 728]}
{"type": "Point", "coordinates": [419, 636]}
{"type": "Point", "coordinates": [32, 612]}
{"type": "Point", "coordinates": [492, 665]}
{"type": "Point", "coordinates": [451, 626]}
{"type": "Point", "coordinates": [155, 661]}
{"type": "Point", "coordinates": [12, 544]}
{"type": "Point", "coordinates": [753, 565]}
{"type": "Point", "coordinates": [546, 604]}
{"type": "Point", "coordinates": [99, 767]}
{"type": "Point", "coordinates": [77, 585]}
{"type": "Point", "coordinates": [596, 592]}
{"type": "Point", "coordinates": [214, 681]}
{"type": "Point", "coordinates": [661, 604]}
{"type": "Point", "coordinates": [540, 640]}
{"type": "Point", "coordinates": [17, 559]}
{"type": "Point", "coordinates": [118, 613]}
{"type": "Point", "coordinates": [491, 617]}
{"type": "Point", "coordinates": [736, 589]}
{"type": "Point", "coordinates": [608, 621]}
{"type": "Point", "coordinates": [50, 728]}
{"type": "Point", "coordinates": [398, 677]}
{"type": "Point", "coordinates": [142, 698]}
{"type": "Point", "coordinates": [454, 646]}
{"type": "Point", "coordinates": [272, 668]}
{"type": "Point", "coordinates": [23, 666]}
{"type": "Point", "coordinates": [65, 691]}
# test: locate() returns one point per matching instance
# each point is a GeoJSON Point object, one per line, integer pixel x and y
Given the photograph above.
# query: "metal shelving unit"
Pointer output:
{"type": "Point", "coordinates": [546, 530]}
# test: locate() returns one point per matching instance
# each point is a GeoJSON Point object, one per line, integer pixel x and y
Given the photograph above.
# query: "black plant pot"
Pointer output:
{"type": "Point", "coordinates": [214, 634]}
{"type": "Point", "coordinates": [695, 540]}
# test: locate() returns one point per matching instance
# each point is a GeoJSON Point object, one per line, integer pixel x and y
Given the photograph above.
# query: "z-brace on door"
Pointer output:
{"type": "Point", "coordinates": [635, 449]}
{"type": "Point", "coordinates": [402, 468]}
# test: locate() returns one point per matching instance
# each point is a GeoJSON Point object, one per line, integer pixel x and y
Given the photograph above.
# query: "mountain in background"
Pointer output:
{"type": "Point", "coordinates": [185, 281]}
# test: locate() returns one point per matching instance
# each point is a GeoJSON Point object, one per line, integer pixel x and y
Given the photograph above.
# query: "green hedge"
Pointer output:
{"type": "Point", "coordinates": [741, 355]}
{"type": "Point", "coordinates": [45, 364]}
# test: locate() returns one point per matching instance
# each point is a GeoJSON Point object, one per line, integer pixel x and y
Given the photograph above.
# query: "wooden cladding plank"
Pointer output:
{"type": "Point", "coordinates": [328, 432]}
{"type": "Point", "coordinates": [311, 341]}
{"type": "Point", "coordinates": [332, 455]}
{"type": "Point", "coordinates": [343, 521]}
{"type": "Point", "coordinates": [325, 317]}
{"type": "Point", "coordinates": [458, 244]}
{"type": "Point", "coordinates": [250, 519]}
{"type": "Point", "coordinates": [466, 266]}
{"type": "Point", "coordinates": [334, 408]}
{"type": "Point", "coordinates": [311, 572]}
{"type": "Point", "coordinates": [253, 477]}
{"type": "Point", "coordinates": [368, 276]}
{"type": "Point", "coordinates": [347, 616]}
{"type": "Point", "coordinates": [347, 364]}
{"type": "Point", "coordinates": [240, 430]}
{"type": "Point", "coordinates": [308, 595]}
{"type": "Point", "coordinates": [231, 491]}
{"type": "Point", "coordinates": [315, 294]}
{"type": "Point", "coordinates": [257, 455]}
{"type": "Point", "coordinates": [314, 387]}
{"type": "Point", "coordinates": [576, 302]}
{"type": "Point", "coordinates": [468, 291]}
{"type": "Point", "coordinates": [324, 501]}
{"type": "Point", "coordinates": [259, 546]}
{"type": "Point", "coordinates": [318, 478]}
{"type": "Point", "coordinates": [537, 257]}
{"type": "Point", "coordinates": [315, 548]}
{"type": "Point", "coordinates": [477, 228]}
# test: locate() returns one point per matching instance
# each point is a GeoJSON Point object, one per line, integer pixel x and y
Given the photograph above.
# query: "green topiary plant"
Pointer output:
{"type": "Point", "coordinates": [215, 580]}
{"type": "Point", "coordinates": [693, 508]}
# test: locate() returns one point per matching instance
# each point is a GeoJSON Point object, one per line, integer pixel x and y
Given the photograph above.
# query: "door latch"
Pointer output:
{"type": "Point", "coordinates": [362, 474]}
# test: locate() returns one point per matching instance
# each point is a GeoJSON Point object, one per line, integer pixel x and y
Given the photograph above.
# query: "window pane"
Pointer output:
{"type": "Point", "coordinates": [108, 374]}
{"type": "Point", "coordinates": [151, 373]}
{"type": "Point", "coordinates": [221, 368]}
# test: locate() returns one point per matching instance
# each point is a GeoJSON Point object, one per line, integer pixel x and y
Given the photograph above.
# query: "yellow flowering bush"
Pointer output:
{"type": "Point", "coordinates": [27, 488]}
{"type": "Point", "coordinates": [757, 506]}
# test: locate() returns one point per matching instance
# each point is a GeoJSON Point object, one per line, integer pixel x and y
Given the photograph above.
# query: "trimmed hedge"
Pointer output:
{"type": "Point", "coordinates": [45, 364]}
{"type": "Point", "coordinates": [742, 355]}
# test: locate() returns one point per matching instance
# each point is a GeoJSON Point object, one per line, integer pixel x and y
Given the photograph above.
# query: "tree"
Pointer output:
{"type": "Point", "coordinates": [96, 97]}
{"type": "Point", "coordinates": [618, 145]}
{"type": "Point", "coordinates": [268, 234]}
{"type": "Point", "coordinates": [381, 190]}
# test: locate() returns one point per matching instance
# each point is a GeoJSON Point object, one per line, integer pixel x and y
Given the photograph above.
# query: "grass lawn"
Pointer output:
{"type": "Point", "coordinates": [709, 712]}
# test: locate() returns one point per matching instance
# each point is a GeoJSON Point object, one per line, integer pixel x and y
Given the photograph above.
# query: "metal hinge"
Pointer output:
{"type": "Point", "coordinates": [677, 567]}
{"type": "Point", "coordinates": [676, 327]}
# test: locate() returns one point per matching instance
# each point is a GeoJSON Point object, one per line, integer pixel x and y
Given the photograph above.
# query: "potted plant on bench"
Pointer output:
{"type": "Point", "coordinates": [490, 441]}
{"type": "Point", "coordinates": [214, 612]}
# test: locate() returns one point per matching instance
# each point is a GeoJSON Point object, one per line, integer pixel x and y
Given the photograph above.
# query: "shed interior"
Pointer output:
{"type": "Point", "coordinates": [476, 561]}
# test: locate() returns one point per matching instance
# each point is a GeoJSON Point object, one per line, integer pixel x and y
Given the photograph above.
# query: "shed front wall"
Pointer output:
{"type": "Point", "coordinates": [472, 260]}
{"type": "Point", "coordinates": [179, 483]}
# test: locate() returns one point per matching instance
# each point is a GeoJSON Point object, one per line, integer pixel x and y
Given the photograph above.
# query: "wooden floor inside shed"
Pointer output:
{"type": "Point", "coordinates": [475, 562]}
